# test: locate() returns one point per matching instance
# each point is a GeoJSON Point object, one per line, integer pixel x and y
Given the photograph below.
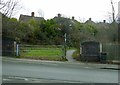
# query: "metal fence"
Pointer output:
{"type": "Point", "coordinates": [112, 50]}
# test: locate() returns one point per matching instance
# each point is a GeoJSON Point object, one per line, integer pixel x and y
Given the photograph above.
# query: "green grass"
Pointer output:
{"type": "Point", "coordinates": [43, 53]}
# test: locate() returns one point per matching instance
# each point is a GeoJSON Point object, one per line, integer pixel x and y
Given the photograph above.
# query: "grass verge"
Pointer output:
{"type": "Point", "coordinates": [54, 54]}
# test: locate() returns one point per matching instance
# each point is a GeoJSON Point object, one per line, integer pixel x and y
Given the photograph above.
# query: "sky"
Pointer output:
{"type": "Point", "coordinates": [119, 9]}
{"type": "Point", "coordinates": [82, 10]}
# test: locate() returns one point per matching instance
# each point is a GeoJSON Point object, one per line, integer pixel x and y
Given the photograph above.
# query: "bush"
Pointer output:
{"type": "Point", "coordinates": [76, 55]}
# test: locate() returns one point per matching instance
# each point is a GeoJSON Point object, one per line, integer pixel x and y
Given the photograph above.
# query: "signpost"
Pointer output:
{"type": "Point", "coordinates": [65, 44]}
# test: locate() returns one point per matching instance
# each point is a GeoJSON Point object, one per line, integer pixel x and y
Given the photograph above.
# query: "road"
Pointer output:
{"type": "Point", "coordinates": [37, 72]}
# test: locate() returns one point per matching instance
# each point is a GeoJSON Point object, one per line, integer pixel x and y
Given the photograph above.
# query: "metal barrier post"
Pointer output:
{"type": "Point", "coordinates": [17, 50]}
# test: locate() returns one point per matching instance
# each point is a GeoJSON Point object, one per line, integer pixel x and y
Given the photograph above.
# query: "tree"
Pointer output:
{"type": "Point", "coordinates": [113, 11]}
{"type": "Point", "coordinates": [103, 32]}
{"type": "Point", "coordinates": [9, 7]}
{"type": "Point", "coordinates": [64, 24]}
{"type": "Point", "coordinates": [12, 28]}
{"type": "Point", "coordinates": [50, 30]}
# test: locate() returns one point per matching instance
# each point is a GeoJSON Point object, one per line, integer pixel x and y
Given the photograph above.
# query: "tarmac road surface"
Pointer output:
{"type": "Point", "coordinates": [36, 72]}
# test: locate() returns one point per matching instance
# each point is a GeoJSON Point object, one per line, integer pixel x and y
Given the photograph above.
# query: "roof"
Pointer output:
{"type": "Point", "coordinates": [90, 21]}
{"type": "Point", "coordinates": [26, 18]}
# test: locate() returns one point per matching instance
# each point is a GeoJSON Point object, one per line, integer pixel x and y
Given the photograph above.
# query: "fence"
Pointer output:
{"type": "Point", "coordinates": [8, 48]}
{"type": "Point", "coordinates": [112, 50]}
{"type": "Point", "coordinates": [94, 52]}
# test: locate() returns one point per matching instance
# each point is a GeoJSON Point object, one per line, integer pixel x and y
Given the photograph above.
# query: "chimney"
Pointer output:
{"type": "Point", "coordinates": [32, 14]}
{"type": "Point", "coordinates": [104, 21]}
{"type": "Point", "coordinates": [59, 15]}
{"type": "Point", "coordinates": [90, 19]}
{"type": "Point", "coordinates": [73, 17]}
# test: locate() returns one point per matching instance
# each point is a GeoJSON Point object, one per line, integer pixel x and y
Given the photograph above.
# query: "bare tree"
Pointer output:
{"type": "Point", "coordinates": [113, 11]}
{"type": "Point", "coordinates": [9, 7]}
{"type": "Point", "coordinates": [41, 12]}
{"type": "Point", "coordinates": [109, 17]}
{"type": "Point", "coordinates": [82, 19]}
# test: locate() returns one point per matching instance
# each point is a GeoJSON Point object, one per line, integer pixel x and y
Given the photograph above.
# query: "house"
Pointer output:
{"type": "Point", "coordinates": [26, 18]}
{"type": "Point", "coordinates": [90, 21]}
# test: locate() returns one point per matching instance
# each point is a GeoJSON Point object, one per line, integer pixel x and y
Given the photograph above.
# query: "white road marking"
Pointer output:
{"type": "Point", "coordinates": [18, 78]}
{"type": "Point", "coordinates": [6, 79]}
{"type": "Point", "coordinates": [86, 67]}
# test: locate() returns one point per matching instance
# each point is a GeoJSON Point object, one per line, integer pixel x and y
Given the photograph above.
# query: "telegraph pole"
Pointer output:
{"type": "Point", "coordinates": [113, 11]}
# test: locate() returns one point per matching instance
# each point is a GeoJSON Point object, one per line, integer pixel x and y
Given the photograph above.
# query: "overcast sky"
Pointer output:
{"type": "Point", "coordinates": [80, 9]}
